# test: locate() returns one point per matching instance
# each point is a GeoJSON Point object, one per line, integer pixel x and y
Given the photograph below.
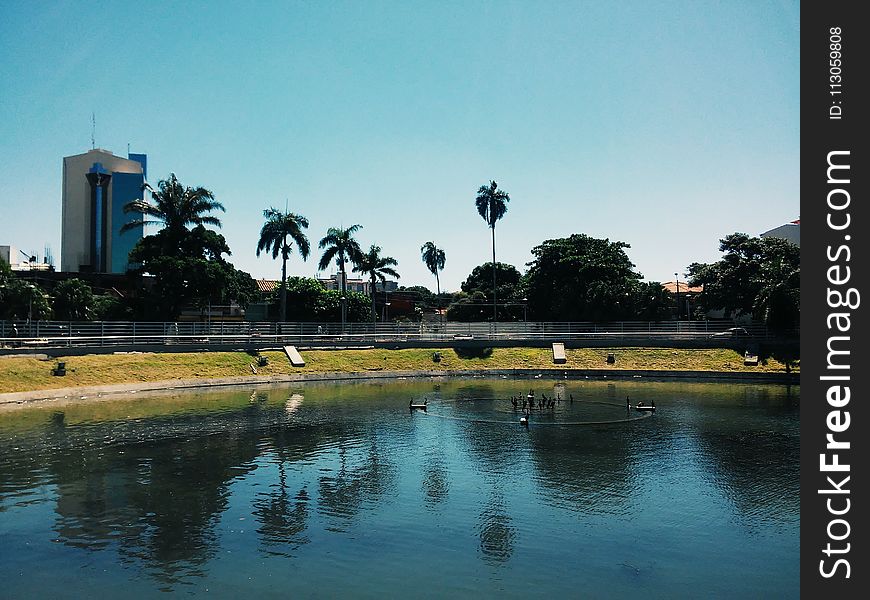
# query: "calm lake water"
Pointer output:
{"type": "Point", "coordinates": [323, 491]}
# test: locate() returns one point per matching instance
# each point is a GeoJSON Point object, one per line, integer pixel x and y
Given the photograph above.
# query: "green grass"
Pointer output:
{"type": "Point", "coordinates": [23, 374]}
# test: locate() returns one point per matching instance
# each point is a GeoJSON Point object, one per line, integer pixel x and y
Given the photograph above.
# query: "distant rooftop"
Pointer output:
{"type": "Point", "coordinates": [671, 286]}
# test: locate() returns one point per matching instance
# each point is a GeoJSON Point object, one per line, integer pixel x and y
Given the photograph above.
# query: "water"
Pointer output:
{"type": "Point", "coordinates": [323, 491]}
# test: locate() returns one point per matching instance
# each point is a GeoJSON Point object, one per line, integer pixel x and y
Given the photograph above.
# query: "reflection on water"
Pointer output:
{"type": "Point", "coordinates": [333, 489]}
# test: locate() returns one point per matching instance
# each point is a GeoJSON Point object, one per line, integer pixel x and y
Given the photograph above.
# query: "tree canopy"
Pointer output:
{"type": "Point", "coordinates": [187, 265]}
{"type": "Point", "coordinates": [581, 278]}
{"type": "Point", "coordinates": [175, 207]}
{"type": "Point", "coordinates": [308, 300]}
{"type": "Point", "coordinates": [274, 236]}
{"type": "Point", "coordinates": [756, 276]}
{"type": "Point", "coordinates": [378, 268]}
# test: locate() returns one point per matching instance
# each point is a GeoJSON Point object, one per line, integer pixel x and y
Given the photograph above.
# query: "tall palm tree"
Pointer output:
{"type": "Point", "coordinates": [434, 259]}
{"type": "Point", "coordinates": [339, 243]}
{"type": "Point", "coordinates": [377, 267]}
{"type": "Point", "coordinates": [175, 206]}
{"type": "Point", "coordinates": [280, 226]}
{"type": "Point", "coordinates": [492, 205]}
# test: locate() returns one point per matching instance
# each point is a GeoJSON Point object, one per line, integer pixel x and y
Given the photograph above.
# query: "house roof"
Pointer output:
{"type": "Point", "coordinates": [671, 286]}
{"type": "Point", "coordinates": [267, 285]}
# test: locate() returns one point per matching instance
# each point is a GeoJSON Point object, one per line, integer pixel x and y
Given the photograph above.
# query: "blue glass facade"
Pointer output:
{"type": "Point", "coordinates": [126, 187]}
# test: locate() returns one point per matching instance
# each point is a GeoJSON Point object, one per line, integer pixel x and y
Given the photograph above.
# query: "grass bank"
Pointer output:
{"type": "Point", "coordinates": [18, 374]}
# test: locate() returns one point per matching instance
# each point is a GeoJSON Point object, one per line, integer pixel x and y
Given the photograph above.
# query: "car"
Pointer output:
{"type": "Point", "coordinates": [730, 333]}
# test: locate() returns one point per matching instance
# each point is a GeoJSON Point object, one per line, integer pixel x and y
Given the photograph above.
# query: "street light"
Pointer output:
{"type": "Point", "coordinates": [343, 312]}
{"type": "Point", "coordinates": [525, 310]}
{"type": "Point", "coordinates": [678, 295]}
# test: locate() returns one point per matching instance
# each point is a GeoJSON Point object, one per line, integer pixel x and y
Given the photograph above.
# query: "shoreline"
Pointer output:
{"type": "Point", "coordinates": [108, 391]}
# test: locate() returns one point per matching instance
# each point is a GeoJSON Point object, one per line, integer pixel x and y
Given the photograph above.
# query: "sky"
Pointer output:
{"type": "Point", "coordinates": [665, 125]}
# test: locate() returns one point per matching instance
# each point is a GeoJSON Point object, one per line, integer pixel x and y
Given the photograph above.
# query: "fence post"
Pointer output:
{"type": "Point", "coordinates": [102, 332]}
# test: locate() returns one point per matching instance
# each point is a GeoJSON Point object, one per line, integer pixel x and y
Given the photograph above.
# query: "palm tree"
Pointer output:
{"type": "Point", "coordinates": [377, 267]}
{"type": "Point", "coordinates": [175, 207]}
{"type": "Point", "coordinates": [340, 243]}
{"type": "Point", "coordinates": [434, 259]}
{"type": "Point", "coordinates": [273, 238]}
{"type": "Point", "coordinates": [492, 205]}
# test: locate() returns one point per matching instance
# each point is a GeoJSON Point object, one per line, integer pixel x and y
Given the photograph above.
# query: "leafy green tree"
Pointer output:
{"type": "Point", "coordinates": [329, 306]}
{"type": "Point", "coordinates": [23, 300]}
{"type": "Point", "coordinates": [308, 300]}
{"type": "Point", "coordinates": [424, 295]}
{"type": "Point", "coordinates": [477, 291]}
{"type": "Point", "coordinates": [175, 207]}
{"type": "Point", "coordinates": [109, 308]}
{"type": "Point", "coordinates": [279, 230]}
{"type": "Point", "coordinates": [185, 260]}
{"type": "Point", "coordinates": [580, 278]}
{"type": "Point", "coordinates": [469, 307]}
{"type": "Point", "coordinates": [756, 276]}
{"type": "Point", "coordinates": [651, 302]}
{"type": "Point", "coordinates": [377, 267]}
{"type": "Point", "coordinates": [339, 244]}
{"type": "Point", "coordinates": [481, 276]}
{"type": "Point", "coordinates": [303, 295]}
{"type": "Point", "coordinates": [491, 204]}
{"type": "Point", "coordinates": [73, 300]}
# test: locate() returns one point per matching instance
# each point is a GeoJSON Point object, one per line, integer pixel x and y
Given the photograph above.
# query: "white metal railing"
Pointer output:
{"type": "Point", "coordinates": [129, 333]}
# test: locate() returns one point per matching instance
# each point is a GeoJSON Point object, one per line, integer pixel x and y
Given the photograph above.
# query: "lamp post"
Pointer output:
{"type": "Point", "coordinates": [525, 310]}
{"type": "Point", "coordinates": [678, 295]}
{"type": "Point", "coordinates": [343, 309]}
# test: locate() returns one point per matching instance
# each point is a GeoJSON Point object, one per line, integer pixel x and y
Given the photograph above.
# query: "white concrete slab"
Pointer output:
{"type": "Point", "coordinates": [294, 356]}
{"type": "Point", "coordinates": [559, 357]}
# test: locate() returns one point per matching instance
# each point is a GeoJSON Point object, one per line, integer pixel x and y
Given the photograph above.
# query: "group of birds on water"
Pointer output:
{"type": "Point", "coordinates": [529, 404]}
{"type": "Point", "coordinates": [543, 403]}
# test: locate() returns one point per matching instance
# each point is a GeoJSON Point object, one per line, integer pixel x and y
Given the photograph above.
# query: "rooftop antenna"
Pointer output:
{"type": "Point", "coordinates": [93, 129]}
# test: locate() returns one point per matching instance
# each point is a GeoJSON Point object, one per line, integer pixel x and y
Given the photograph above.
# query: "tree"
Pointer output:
{"type": "Point", "coordinates": [187, 265]}
{"type": "Point", "coordinates": [508, 281]}
{"type": "Point", "coordinates": [435, 259]}
{"type": "Point", "coordinates": [175, 207]}
{"type": "Point", "coordinates": [310, 301]}
{"type": "Point", "coordinates": [378, 268]}
{"type": "Point", "coordinates": [109, 308]}
{"type": "Point", "coordinates": [22, 300]}
{"type": "Point", "coordinates": [477, 290]}
{"type": "Point", "coordinates": [651, 302]}
{"type": "Point", "coordinates": [303, 295]}
{"type": "Point", "coordinates": [756, 276]}
{"type": "Point", "coordinates": [73, 300]}
{"type": "Point", "coordinates": [274, 238]}
{"type": "Point", "coordinates": [580, 278]}
{"type": "Point", "coordinates": [339, 244]}
{"type": "Point", "coordinates": [492, 205]}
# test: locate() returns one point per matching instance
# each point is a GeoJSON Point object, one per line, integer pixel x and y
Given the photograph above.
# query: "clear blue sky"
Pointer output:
{"type": "Point", "coordinates": [666, 125]}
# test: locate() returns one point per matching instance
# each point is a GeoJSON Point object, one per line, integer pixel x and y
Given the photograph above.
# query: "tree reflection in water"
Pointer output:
{"type": "Point", "coordinates": [283, 519]}
{"type": "Point", "coordinates": [341, 497]}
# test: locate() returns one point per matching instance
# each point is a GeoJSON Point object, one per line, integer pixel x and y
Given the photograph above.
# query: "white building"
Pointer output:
{"type": "Point", "coordinates": [789, 231]}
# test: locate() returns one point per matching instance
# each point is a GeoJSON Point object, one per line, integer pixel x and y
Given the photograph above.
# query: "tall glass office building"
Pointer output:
{"type": "Point", "coordinates": [96, 186]}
